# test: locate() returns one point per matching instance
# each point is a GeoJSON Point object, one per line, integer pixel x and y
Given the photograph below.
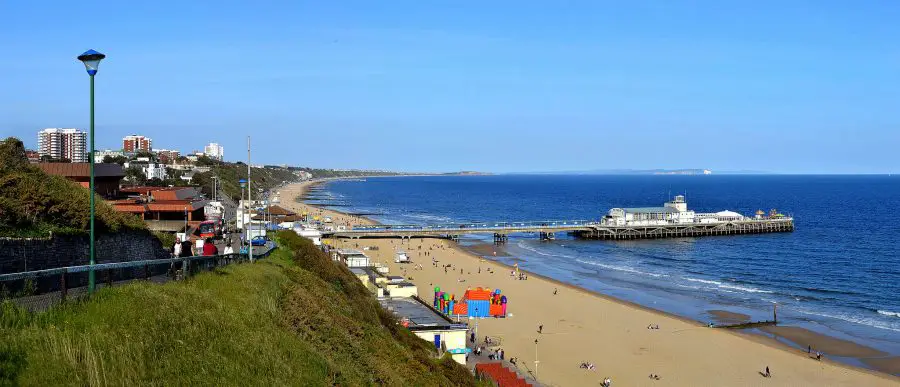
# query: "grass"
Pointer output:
{"type": "Point", "coordinates": [34, 204]}
{"type": "Point", "coordinates": [295, 318]}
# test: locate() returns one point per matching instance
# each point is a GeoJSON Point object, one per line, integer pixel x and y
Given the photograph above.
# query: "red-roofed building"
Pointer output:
{"type": "Point", "coordinates": [164, 208]}
{"type": "Point", "coordinates": [106, 176]}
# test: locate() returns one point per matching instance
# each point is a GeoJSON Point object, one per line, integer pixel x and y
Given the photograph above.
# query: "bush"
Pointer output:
{"type": "Point", "coordinates": [33, 203]}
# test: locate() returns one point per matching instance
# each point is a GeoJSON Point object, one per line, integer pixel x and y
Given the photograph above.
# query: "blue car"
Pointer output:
{"type": "Point", "coordinates": [258, 241]}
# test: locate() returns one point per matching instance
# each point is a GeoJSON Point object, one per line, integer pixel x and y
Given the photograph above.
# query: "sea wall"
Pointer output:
{"type": "Point", "coordinates": [30, 254]}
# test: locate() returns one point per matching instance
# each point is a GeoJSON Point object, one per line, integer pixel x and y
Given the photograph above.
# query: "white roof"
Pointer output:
{"type": "Point", "coordinates": [728, 213]}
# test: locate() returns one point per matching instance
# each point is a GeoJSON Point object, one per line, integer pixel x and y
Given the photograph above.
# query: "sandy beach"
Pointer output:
{"type": "Point", "coordinates": [582, 326]}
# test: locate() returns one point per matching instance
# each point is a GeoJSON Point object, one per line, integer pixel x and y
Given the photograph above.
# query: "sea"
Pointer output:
{"type": "Point", "coordinates": [837, 274]}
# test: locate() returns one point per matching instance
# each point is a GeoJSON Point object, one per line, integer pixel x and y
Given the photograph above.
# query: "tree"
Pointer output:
{"type": "Point", "coordinates": [147, 154]}
{"type": "Point", "coordinates": [12, 155]}
{"type": "Point", "coordinates": [135, 175]}
{"type": "Point", "coordinates": [50, 159]}
{"type": "Point", "coordinates": [206, 161]}
{"type": "Point", "coordinates": [156, 182]}
{"type": "Point", "coordinates": [115, 159]}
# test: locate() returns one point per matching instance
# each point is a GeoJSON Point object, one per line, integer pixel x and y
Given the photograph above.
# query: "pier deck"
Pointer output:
{"type": "Point", "coordinates": [580, 228]}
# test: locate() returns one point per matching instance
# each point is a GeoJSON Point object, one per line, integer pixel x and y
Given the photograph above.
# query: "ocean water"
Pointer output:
{"type": "Point", "coordinates": [838, 273]}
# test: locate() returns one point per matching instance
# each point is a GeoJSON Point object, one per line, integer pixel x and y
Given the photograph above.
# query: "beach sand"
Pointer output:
{"type": "Point", "coordinates": [582, 326]}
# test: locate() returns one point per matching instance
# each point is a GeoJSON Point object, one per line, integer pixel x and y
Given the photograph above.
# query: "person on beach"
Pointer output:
{"type": "Point", "coordinates": [768, 374]}
{"type": "Point", "coordinates": [541, 328]}
{"type": "Point", "coordinates": [555, 291]}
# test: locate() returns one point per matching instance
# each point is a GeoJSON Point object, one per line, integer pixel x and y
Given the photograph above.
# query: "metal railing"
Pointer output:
{"type": "Point", "coordinates": [500, 226]}
{"type": "Point", "coordinates": [39, 289]}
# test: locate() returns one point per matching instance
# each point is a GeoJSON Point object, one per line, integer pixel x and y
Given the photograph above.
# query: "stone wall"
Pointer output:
{"type": "Point", "coordinates": [17, 255]}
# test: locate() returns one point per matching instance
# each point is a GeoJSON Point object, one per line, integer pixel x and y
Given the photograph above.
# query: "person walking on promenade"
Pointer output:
{"type": "Point", "coordinates": [209, 248]}
{"type": "Point", "coordinates": [176, 249]}
{"type": "Point", "coordinates": [186, 248]}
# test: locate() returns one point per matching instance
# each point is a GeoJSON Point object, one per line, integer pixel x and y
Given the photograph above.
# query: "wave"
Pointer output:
{"type": "Point", "coordinates": [525, 246]}
{"type": "Point", "coordinates": [889, 313]}
{"type": "Point", "coordinates": [856, 319]}
{"type": "Point", "coordinates": [723, 286]}
{"type": "Point", "coordinates": [621, 268]}
{"type": "Point", "coordinates": [434, 218]}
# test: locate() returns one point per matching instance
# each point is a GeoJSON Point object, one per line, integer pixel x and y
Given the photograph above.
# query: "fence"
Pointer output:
{"type": "Point", "coordinates": [39, 290]}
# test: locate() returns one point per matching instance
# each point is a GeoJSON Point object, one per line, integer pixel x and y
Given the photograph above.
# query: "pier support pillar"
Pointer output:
{"type": "Point", "coordinates": [500, 239]}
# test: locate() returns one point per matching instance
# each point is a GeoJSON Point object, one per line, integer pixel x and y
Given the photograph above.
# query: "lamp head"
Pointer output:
{"type": "Point", "coordinates": [91, 60]}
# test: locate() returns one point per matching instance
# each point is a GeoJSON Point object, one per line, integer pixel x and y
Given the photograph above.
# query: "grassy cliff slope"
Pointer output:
{"type": "Point", "coordinates": [293, 319]}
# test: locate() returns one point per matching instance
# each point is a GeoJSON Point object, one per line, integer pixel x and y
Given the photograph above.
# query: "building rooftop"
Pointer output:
{"type": "Point", "coordinates": [420, 316]}
{"type": "Point", "coordinates": [650, 210]}
{"type": "Point", "coordinates": [348, 252]}
{"type": "Point", "coordinates": [82, 169]}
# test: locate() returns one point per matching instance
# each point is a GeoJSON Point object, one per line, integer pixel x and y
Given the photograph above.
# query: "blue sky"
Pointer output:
{"type": "Point", "coordinates": [782, 86]}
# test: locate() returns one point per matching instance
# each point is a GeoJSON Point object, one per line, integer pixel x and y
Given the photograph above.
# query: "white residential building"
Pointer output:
{"type": "Point", "coordinates": [63, 143]}
{"type": "Point", "coordinates": [151, 170]}
{"type": "Point", "coordinates": [214, 151]}
{"type": "Point", "coordinates": [99, 155]}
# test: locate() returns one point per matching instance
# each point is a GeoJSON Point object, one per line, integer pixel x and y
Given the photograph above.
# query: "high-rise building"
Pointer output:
{"type": "Point", "coordinates": [60, 143]}
{"type": "Point", "coordinates": [135, 143]}
{"type": "Point", "coordinates": [214, 151]}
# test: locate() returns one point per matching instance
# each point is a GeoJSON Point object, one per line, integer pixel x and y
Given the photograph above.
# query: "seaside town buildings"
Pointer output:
{"type": "Point", "coordinates": [99, 155]}
{"type": "Point", "coordinates": [150, 169]}
{"type": "Point", "coordinates": [135, 143]}
{"type": "Point", "coordinates": [400, 297]}
{"type": "Point", "coordinates": [63, 143]}
{"type": "Point", "coordinates": [214, 151]}
{"type": "Point", "coordinates": [167, 156]}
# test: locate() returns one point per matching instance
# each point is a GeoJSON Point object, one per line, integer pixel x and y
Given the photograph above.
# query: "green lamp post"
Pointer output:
{"type": "Point", "coordinates": [91, 60]}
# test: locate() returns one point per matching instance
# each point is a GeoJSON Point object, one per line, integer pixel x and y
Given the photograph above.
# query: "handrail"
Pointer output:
{"type": "Point", "coordinates": [121, 265]}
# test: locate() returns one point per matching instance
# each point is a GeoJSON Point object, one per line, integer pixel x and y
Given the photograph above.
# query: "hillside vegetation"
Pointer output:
{"type": "Point", "coordinates": [230, 174]}
{"type": "Point", "coordinates": [33, 203]}
{"type": "Point", "coordinates": [295, 318]}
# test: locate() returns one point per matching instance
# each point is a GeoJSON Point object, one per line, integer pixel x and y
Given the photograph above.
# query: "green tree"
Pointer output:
{"type": "Point", "coordinates": [12, 155]}
{"type": "Point", "coordinates": [147, 154]}
{"type": "Point", "coordinates": [115, 159]}
{"type": "Point", "coordinates": [204, 161]}
{"type": "Point", "coordinates": [135, 175]}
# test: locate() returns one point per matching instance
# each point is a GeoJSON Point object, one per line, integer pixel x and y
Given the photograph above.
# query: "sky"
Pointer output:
{"type": "Point", "coordinates": [495, 86]}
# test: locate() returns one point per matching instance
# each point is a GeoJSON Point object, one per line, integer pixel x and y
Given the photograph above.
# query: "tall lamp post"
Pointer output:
{"type": "Point", "coordinates": [243, 212]}
{"type": "Point", "coordinates": [91, 60]}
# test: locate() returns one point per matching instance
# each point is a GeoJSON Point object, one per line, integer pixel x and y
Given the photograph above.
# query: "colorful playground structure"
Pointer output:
{"type": "Point", "coordinates": [478, 302]}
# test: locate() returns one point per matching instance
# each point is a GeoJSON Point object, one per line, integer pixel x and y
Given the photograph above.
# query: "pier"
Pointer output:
{"type": "Point", "coordinates": [672, 220]}
{"type": "Point", "coordinates": [579, 228]}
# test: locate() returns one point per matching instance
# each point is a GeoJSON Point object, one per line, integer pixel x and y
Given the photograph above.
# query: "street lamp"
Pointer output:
{"type": "Point", "coordinates": [536, 361]}
{"type": "Point", "coordinates": [243, 212]}
{"type": "Point", "coordinates": [91, 60]}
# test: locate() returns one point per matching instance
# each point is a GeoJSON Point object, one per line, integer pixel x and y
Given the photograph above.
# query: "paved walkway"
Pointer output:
{"type": "Point", "coordinates": [520, 369]}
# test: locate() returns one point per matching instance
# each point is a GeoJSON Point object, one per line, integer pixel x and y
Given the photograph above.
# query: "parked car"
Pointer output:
{"type": "Point", "coordinates": [258, 241]}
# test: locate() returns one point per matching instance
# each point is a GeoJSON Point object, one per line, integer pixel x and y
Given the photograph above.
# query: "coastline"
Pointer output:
{"type": "Point", "coordinates": [837, 372]}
